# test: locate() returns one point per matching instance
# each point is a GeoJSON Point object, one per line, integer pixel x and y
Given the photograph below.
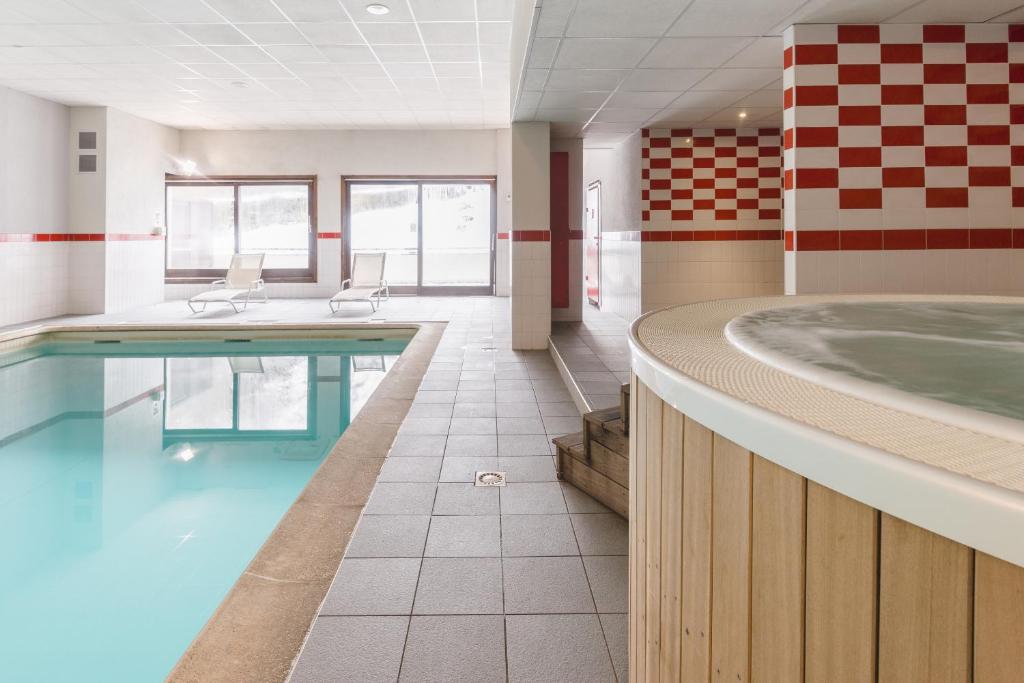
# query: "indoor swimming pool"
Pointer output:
{"type": "Point", "coordinates": [139, 478]}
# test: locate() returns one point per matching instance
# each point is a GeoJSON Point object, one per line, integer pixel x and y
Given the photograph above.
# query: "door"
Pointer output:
{"type": "Point", "coordinates": [438, 235]}
{"type": "Point", "coordinates": [592, 244]}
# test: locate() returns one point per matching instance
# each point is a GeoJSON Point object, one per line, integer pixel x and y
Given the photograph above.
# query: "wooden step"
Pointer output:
{"type": "Point", "coordinates": [604, 476]}
{"type": "Point", "coordinates": [606, 428]}
{"type": "Point", "coordinates": [624, 407]}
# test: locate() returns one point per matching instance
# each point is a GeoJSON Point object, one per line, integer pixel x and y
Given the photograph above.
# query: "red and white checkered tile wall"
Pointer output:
{"type": "Point", "coordinates": [711, 184]}
{"type": "Point", "coordinates": [903, 137]}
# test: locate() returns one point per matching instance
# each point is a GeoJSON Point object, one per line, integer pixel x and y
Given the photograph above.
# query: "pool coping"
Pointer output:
{"type": "Point", "coordinates": [259, 628]}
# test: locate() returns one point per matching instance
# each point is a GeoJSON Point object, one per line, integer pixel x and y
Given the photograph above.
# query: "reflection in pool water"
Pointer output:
{"type": "Point", "coordinates": [138, 480]}
{"type": "Point", "coordinates": [961, 353]}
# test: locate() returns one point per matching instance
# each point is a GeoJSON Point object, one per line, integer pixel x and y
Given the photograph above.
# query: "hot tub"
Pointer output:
{"type": "Point", "coordinates": [829, 488]}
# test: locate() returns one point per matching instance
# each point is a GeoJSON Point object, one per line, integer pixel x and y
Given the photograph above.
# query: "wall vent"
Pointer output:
{"type": "Point", "coordinates": [86, 163]}
{"type": "Point", "coordinates": [86, 140]}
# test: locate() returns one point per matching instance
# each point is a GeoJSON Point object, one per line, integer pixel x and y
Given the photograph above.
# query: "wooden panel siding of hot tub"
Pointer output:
{"type": "Point", "coordinates": [742, 570]}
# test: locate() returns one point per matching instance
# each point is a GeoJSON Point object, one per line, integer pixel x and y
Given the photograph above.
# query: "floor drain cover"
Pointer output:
{"type": "Point", "coordinates": [490, 479]}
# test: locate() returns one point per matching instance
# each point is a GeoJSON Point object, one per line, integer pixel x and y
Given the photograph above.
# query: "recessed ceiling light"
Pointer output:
{"type": "Point", "coordinates": [743, 114]}
{"type": "Point", "coordinates": [378, 9]}
{"type": "Point", "coordinates": [239, 84]}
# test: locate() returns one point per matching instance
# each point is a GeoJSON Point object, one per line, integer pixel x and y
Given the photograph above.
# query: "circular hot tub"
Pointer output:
{"type": "Point", "coordinates": [828, 488]}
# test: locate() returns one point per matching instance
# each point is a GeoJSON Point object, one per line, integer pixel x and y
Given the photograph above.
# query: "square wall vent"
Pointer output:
{"type": "Point", "coordinates": [86, 140]}
{"type": "Point", "coordinates": [86, 163]}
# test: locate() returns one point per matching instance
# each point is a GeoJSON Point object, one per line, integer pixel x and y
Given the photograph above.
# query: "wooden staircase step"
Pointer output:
{"type": "Point", "coordinates": [604, 476]}
{"type": "Point", "coordinates": [624, 406]}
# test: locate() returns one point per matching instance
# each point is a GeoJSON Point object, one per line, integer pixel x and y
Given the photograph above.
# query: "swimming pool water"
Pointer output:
{"type": "Point", "coordinates": [137, 481]}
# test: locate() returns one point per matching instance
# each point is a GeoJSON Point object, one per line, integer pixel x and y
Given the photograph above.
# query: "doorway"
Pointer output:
{"type": "Point", "coordinates": [438, 234]}
{"type": "Point", "coordinates": [592, 244]}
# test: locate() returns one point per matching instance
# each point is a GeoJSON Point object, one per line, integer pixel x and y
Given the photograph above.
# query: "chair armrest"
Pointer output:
{"type": "Point", "coordinates": [346, 283]}
{"type": "Point", "coordinates": [256, 284]}
{"type": "Point", "coordinates": [217, 282]}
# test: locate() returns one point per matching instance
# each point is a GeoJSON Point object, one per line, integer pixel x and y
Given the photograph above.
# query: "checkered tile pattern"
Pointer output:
{"type": "Point", "coordinates": [902, 126]}
{"type": "Point", "coordinates": [712, 179]}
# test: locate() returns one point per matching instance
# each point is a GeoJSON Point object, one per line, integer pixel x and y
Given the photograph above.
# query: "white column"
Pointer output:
{"type": "Point", "coordinates": [530, 235]}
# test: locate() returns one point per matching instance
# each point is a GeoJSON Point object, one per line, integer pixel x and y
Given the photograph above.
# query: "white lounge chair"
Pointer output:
{"type": "Point", "coordinates": [242, 283]}
{"type": "Point", "coordinates": [366, 284]}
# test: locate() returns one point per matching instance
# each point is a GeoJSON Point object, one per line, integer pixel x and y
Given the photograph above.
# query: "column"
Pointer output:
{"type": "Point", "coordinates": [530, 235]}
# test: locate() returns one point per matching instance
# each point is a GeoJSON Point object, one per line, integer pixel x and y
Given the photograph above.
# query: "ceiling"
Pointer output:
{"type": "Point", "coordinates": [605, 68]}
{"type": "Point", "coordinates": [244, 64]}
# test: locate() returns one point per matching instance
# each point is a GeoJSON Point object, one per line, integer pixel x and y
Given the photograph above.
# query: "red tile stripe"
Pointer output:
{"type": "Point", "coordinates": [691, 235]}
{"type": "Point", "coordinates": [328, 235]}
{"type": "Point", "coordinates": [575, 234]}
{"type": "Point", "coordinates": [76, 237]}
{"type": "Point", "coordinates": [531, 236]}
{"type": "Point", "coordinates": [902, 239]}
{"type": "Point", "coordinates": [503, 235]}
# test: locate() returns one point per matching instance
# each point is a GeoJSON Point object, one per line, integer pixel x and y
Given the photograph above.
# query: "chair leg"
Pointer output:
{"type": "Point", "coordinates": [335, 307]}
{"type": "Point", "coordinates": [372, 307]}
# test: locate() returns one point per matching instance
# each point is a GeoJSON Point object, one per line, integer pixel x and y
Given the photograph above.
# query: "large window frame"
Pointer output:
{"type": "Point", "coordinates": [207, 275]}
{"type": "Point", "coordinates": [420, 289]}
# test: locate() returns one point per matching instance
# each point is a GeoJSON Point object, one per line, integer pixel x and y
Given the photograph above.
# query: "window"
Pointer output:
{"type": "Point", "coordinates": [210, 220]}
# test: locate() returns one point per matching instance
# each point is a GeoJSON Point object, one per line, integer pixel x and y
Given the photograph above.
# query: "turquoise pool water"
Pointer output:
{"type": "Point", "coordinates": [137, 481]}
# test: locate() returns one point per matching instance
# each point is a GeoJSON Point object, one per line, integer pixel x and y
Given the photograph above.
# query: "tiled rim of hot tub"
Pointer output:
{"type": "Point", "coordinates": [258, 629]}
{"type": "Point", "coordinates": [959, 483]}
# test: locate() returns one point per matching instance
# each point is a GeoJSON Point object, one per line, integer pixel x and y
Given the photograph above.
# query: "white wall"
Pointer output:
{"type": "Point", "coordinates": [331, 155]}
{"type": "Point", "coordinates": [618, 169]}
{"type": "Point", "coordinates": [502, 255]}
{"type": "Point", "coordinates": [33, 199]}
{"type": "Point", "coordinates": [140, 153]}
{"type": "Point", "coordinates": [574, 147]}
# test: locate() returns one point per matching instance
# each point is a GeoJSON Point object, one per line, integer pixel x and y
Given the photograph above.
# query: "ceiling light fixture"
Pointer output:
{"type": "Point", "coordinates": [743, 114]}
{"type": "Point", "coordinates": [239, 84]}
{"type": "Point", "coordinates": [378, 9]}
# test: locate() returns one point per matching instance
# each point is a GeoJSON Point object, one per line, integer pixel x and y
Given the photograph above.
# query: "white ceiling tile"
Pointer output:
{"type": "Point", "coordinates": [536, 79]}
{"type": "Point", "coordinates": [625, 115]}
{"type": "Point", "coordinates": [214, 34]}
{"type": "Point", "coordinates": [391, 33]}
{"type": "Point", "coordinates": [273, 34]}
{"type": "Point", "coordinates": [733, 18]}
{"type": "Point", "coordinates": [738, 79]}
{"type": "Point", "coordinates": [564, 115]}
{"type": "Point", "coordinates": [585, 79]}
{"type": "Point", "coordinates": [562, 100]}
{"type": "Point", "coordinates": [759, 54]}
{"type": "Point", "coordinates": [530, 98]}
{"type": "Point", "coordinates": [266, 70]}
{"type": "Point", "coordinates": [554, 15]}
{"type": "Point", "coordinates": [312, 10]}
{"type": "Point", "coordinates": [682, 117]}
{"type": "Point", "coordinates": [180, 11]}
{"type": "Point", "coordinates": [298, 53]}
{"type": "Point", "coordinates": [681, 53]}
{"type": "Point", "coordinates": [400, 53]}
{"type": "Point", "coordinates": [189, 53]}
{"type": "Point", "coordinates": [363, 70]}
{"type": "Point", "coordinates": [542, 53]}
{"type": "Point", "coordinates": [108, 55]}
{"type": "Point", "coordinates": [496, 33]}
{"type": "Point", "coordinates": [453, 53]}
{"type": "Point", "coordinates": [443, 10]}
{"type": "Point", "coordinates": [651, 80]}
{"type": "Point", "coordinates": [838, 11]}
{"type": "Point", "coordinates": [410, 71]}
{"type": "Point", "coordinates": [955, 11]}
{"type": "Point", "coordinates": [618, 19]}
{"type": "Point", "coordinates": [495, 53]}
{"type": "Point", "coordinates": [113, 11]}
{"type": "Point", "coordinates": [50, 11]}
{"type": "Point", "coordinates": [771, 97]}
{"type": "Point", "coordinates": [349, 54]}
{"type": "Point", "coordinates": [602, 53]}
{"type": "Point", "coordinates": [642, 100]}
{"type": "Point", "coordinates": [457, 69]}
{"type": "Point", "coordinates": [412, 85]}
{"type": "Point", "coordinates": [450, 33]}
{"type": "Point", "coordinates": [716, 99]}
{"type": "Point", "coordinates": [613, 127]}
{"type": "Point", "coordinates": [330, 33]}
{"type": "Point", "coordinates": [246, 10]}
{"type": "Point", "coordinates": [241, 54]}
{"type": "Point", "coordinates": [221, 70]}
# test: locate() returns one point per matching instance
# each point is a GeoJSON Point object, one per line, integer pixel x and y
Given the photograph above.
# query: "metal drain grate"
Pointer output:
{"type": "Point", "coordinates": [489, 479]}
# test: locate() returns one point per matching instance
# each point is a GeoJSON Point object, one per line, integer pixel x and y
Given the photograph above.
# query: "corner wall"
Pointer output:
{"type": "Point", "coordinates": [618, 169]}
{"type": "Point", "coordinates": [904, 158]}
{"type": "Point", "coordinates": [33, 203]}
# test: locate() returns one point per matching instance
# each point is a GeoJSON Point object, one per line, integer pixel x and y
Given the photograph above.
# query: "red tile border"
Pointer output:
{"type": "Point", "coordinates": [575, 234]}
{"type": "Point", "coordinates": [531, 236]}
{"type": "Point", "coordinates": [77, 237]}
{"type": "Point", "coordinates": [904, 239]}
{"type": "Point", "coordinates": [328, 235]}
{"type": "Point", "coordinates": [691, 235]}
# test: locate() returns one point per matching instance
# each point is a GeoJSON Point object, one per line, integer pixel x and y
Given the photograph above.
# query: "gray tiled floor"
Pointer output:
{"type": "Point", "coordinates": [427, 549]}
{"type": "Point", "coordinates": [522, 583]}
{"type": "Point", "coordinates": [596, 354]}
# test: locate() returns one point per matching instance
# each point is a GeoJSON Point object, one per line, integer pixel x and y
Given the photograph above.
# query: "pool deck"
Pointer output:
{"type": "Point", "coordinates": [443, 580]}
